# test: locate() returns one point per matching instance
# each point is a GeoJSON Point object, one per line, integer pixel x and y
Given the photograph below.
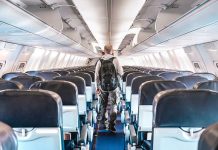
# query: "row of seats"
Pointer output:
{"type": "Point", "coordinates": [35, 127]}
{"type": "Point", "coordinates": [172, 121]}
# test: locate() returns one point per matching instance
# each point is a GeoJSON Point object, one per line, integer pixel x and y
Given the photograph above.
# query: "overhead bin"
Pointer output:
{"type": "Point", "coordinates": [20, 27]}
{"type": "Point", "coordinates": [189, 25]}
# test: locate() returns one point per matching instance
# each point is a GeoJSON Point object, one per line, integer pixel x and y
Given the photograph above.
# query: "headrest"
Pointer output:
{"type": "Point", "coordinates": [170, 75]}
{"type": "Point", "coordinates": [85, 76]}
{"type": "Point", "coordinates": [131, 76]}
{"type": "Point", "coordinates": [65, 89]}
{"type": "Point", "coordinates": [32, 73]}
{"type": "Point", "coordinates": [137, 82]}
{"type": "Point", "coordinates": [8, 139]}
{"type": "Point", "coordinates": [11, 75]}
{"type": "Point", "coordinates": [78, 81]}
{"type": "Point", "coordinates": [26, 81]}
{"type": "Point", "coordinates": [209, 85]}
{"type": "Point", "coordinates": [92, 74]}
{"type": "Point", "coordinates": [47, 75]}
{"type": "Point", "coordinates": [186, 73]}
{"type": "Point", "coordinates": [156, 72]}
{"type": "Point", "coordinates": [185, 108]}
{"type": "Point", "coordinates": [149, 89]}
{"type": "Point", "coordinates": [4, 84]}
{"type": "Point", "coordinates": [208, 76]}
{"type": "Point", "coordinates": [62, 72]}
{"type": "Point", "coordinates": [209, 138]}
{"type": "Point", "coordinates": [126, 73]}
{"type": "Point", "coordinates": [25, 108]}
{"type": "Point", "coordinates": [190, 81]}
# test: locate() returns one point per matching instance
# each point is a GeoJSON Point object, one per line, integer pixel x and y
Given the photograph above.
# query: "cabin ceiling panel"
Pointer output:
{"type": "Point", "coordinates": [195, 27]}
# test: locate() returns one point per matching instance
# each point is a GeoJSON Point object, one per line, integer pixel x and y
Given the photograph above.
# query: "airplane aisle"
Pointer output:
{"type": "Point", "coordinates": [106, 140]}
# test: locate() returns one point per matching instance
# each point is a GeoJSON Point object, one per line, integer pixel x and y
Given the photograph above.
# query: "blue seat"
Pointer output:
{"type": "Point", "coordinates": [8, 139]}
{"type": "Point", "coordinates": [207, 75]}
{"type": "Point", "coordinates": [68, 93]}
{"type": "Point", "coordinates": [80, 83]}
{"type": "Point", "coordinates": [11, 75]}
{"type": "Point", "coordinates": [170, 75]}
{"type": "Point", "coordinates": [156, 72]}
{"type": "Point", "coordinates": [4, 84]}
{"type": "Point", "coordinates": [209, 85]}
{"type": "Point", "coordinates": [26, 81]}
{"type": "Point", "coordinates": [209, 138]}
{"type": "Point", "coordinates": [180, 116]}
{"type": "Point", "coordinates": [190, 81]}
{"type": "Point", "coordinates": [88, 82]}
{"type": "Point", "coordinates": [47, 75]}
{"type": "Point", "coordinates": [129, 80]}
{"type": "Point", "coordinates": [62, 72]}
{"type": "Point", "coordinates": [35, 116]}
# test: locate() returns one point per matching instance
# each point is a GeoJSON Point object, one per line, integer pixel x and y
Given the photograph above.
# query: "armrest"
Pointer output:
{"type": "Point", "coordinates": [83, 135]}
{"type": "Point", "coordinates": [133, 136]}
{"type": "Point", "coordinates": [89, 118]}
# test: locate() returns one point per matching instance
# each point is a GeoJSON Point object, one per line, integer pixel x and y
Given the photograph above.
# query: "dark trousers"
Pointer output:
{"type": "Point", "coordinates": [108, 107]}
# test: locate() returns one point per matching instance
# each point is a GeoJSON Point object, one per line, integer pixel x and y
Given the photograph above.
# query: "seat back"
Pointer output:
{"type": "Point", "coordinates": [156, 72]}
{"type": "Point", "coordinates": [179, 117]}
{"type": "Point", "coordinates": [8, 139]}
{"type": "Point", "coordinates": [124, 80]}
{"type": "Point", "coordinates": [35, 116]}
{"type": "Point", "coordinates": [170, 75]}
{"type": "Point", "coordinates": [4, 84]}
{"type": "Point", "coordinates": [92, 74]}
{"type": "Point", "coordinates": [147, 92]}
{"type": "Point", "coordinates": [68, 93]}
{"type": "Point", "coordinates": [208, 85]}
{"type": "Point", "coordinates": [80, 83]}
{"type": "Point", "coordinates": [209, 138]}
{"type": "Point", "coordinates": [185, 73]}
{"type": "Point", "coordinates": [190, 81]}
{"type": "Point", "coordinates": [137, 82]}
{"type": "Point", "coordinates": [11, 75]}
{"type": "Point", "coordinates": [207, 75]}
{"type": "Point", "coordinates": [62, 72]}
{"type": "Point", "coordinates": [129, 80]}
{"type": "Point", "coordinates": [88, 82]}
{"type": "Point", "coordinates": [47, 75]}
{"type": "Point", "coordinates": [26, 81]}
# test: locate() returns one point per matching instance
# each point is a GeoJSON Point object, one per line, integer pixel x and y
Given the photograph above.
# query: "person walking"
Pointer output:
{"type": "Point", "coordinates": [108, 73]}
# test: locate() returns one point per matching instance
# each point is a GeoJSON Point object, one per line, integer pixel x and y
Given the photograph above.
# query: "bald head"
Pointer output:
{"type": "Point", "coordinates": [108, 49]}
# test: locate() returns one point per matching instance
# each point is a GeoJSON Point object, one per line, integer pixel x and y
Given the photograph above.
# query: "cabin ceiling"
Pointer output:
{"type": "Point", "coordinates": [83, 26]}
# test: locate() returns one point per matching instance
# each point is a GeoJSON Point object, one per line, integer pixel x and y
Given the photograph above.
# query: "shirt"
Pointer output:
{"type": "Point", "coordinates": [117, 66]}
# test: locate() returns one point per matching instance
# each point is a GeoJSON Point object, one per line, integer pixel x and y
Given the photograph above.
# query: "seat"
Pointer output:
{"type": "Point", "coordinates": [88, 82]}
{"type": "Point", "coordinates": [156, 72]}
{"type": "Point", "coordinates": [47, 75]}
{"type": "Point", "coordinates": [4, 84]}
{"type": "Point", "coordinates": [11, 75]}
{"type": "Point", "coordinates": [185, 72]}
{"type": "Point", "coordinates": [80, 83]}
{"type": "Point", "coordinates": [129, 80]}
{"type": "Point", "coordinates": [190, 81]}
{"type": "Point", "coordinates": [68, 93]}
{"type": "Point", "coordinates": [35, 116]}
{"type": "Point", "coordinates": [8, 139]}
{"type": "Point", "coordinates": [124, 80]}
{"type": "Point", "coordinates": [170, 75]}
{"type": "Point", "coordinates": [209, 138]}
{"type": "Point", "coordinates": [26, 81]}
{"type": "Point", "coordinates": [209, 85]}
{"type": "Point", "coordinates": [180, 116]}
{"type": "Point", "coordinates": [147, 92]}
{"type": "Point", "coordinates": [62, 72]}
{"type": "Point", "coordinates": [136, 83]}
{"type": "Point", "coordinates": [207, 75]}
{"type": "Point", "coordinates": [92, 74]}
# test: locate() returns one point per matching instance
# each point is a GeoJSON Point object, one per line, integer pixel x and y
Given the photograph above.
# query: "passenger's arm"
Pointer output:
{"type": "Point", "coordinates": [97, 80]}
